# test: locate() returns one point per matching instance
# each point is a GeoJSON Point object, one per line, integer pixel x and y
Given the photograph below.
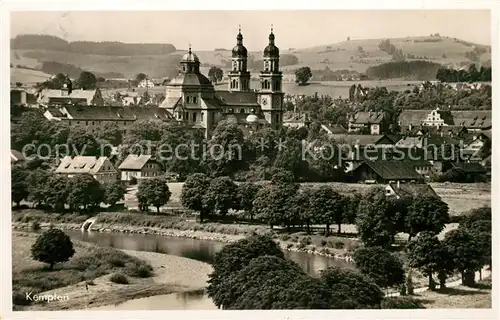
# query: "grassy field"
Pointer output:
{"type": "Point", "coordinates": [337, 56]}
{"type": "Point", "coordinates": [27, 76]}
{"type": "Point", "coordinates": [88, 263]}
{"type": "Point", "coordinates": [458, 297]}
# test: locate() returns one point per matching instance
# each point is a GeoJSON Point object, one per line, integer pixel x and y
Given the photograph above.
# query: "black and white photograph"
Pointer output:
{"type": "Point", "coordinates": [250, 159]}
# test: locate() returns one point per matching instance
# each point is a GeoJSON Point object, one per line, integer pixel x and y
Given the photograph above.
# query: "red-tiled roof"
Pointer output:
{"type": "Point", "coordinates": [392, 170]}
{"type": "Point", "coordinates": [364, 117]}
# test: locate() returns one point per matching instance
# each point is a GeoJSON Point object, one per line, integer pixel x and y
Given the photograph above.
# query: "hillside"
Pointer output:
{"type": "Point", "coordinates": [353, 55]}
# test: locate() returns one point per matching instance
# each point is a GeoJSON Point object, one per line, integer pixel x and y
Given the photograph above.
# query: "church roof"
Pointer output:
{"type": "Point", "coordinates": [190, 57]}
{"type": "Point", "coordinates": [190, 79]}
{"type": "Point", "coordinates": [237, 98]}
{"type": "Point", "coordinates": [117, 113]}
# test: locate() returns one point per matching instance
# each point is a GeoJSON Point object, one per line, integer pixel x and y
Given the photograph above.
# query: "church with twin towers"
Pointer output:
{"type": "Point", "coordinates": [191, 98]}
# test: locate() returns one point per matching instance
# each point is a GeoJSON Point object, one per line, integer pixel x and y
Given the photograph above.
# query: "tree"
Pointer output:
{"type": "Point", "coordinates": [111, 132]}
{"type": "Point", "coordinates": [425, 254]}
{"type": "Point", "coordinates": [270, 282]}
{"type": "Point", "coordinates": [463, 247]}
{"type": "Point", "coordinates": [355, 290]}
{"type": "Point", "coordinates": [153, 192]}
{"type": "Point", "coordinates": [52, 246]}
{"type": "Point", "coordinates": [225, 149]}
{"type": "Point", "coordinates": [215, 74]}
{"type": "Point", "coordinates": [37, 185]}
{"type": "Point", "coordinates": [113, 192]}
{"type": "Point", "coordinates": [193, 191]}
{"type": "Point", "coordinates": [274, 204]}
{"type": "Point", "coordinates": [377, 220]}
{"type": "Point", "coordinates": [246, 193]}
{"type": "Point", "coordinates": [231, 259]}
{"type": "Point", "coordinates": [57, 192]}
{"type": "Point", "coordinates": [220, 195]}
{"type": "Point", "coordinates": [426, 213]}
{"type": "Point", "coordinates": [384, 268]}
{"type": "Point", "coordinates": [327, 205]}
{"type": "Point", "coordinates": [140, 76]}
{"type": "Point", "coordinates": [87, 80]}
{"type": "Point", "coordinates": [302, 75]}
{"type": "Point", "coordinates": [83, 143]}
{"type": "Point", "coordinates": [19, 184]}
{"type": "Point", "coordinates": [84, 192]}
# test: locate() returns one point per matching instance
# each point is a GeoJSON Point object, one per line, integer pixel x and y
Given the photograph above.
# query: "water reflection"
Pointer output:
{"type": "Point", "coordinates": [202, 250]}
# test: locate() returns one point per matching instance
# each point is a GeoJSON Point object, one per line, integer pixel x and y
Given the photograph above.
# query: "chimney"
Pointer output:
{"type": "Point", "coordinates": [398, 184]}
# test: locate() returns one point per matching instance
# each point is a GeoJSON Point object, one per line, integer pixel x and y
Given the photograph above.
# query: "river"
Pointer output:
{"type": "Point", "coordinates": [202, 250]}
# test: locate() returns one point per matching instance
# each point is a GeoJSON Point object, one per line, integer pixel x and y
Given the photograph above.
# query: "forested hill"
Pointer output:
{"type": "Point", "coordinates": [411, 70]}
{"type": "Point", "coordinates": [48, 42]}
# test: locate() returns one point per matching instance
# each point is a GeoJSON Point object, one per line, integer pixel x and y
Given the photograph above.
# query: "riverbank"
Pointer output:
{"type": "Point", "coordinates": [170, 274]}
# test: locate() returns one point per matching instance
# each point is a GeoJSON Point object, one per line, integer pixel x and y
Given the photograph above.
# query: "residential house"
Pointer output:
{"type": "Point", "coordinates": [474, 144]}
{"type": "Point", "coordinates": [361, 140]}
{"type": "Point", "coordinates": [93, 118]}
{"type": "Point", "coordinates": [16, 156]}
{"type": "Point", "coordinates": [20, 97]}
{"type": "Point", "coordinates": [99, 167]}
{"type": "Point", "coordinates": [296, 121]}
{"type": "Point", "coordinates": [409, 190]}
{"type": "Point", "coordinates": [333, 129]}
{"type": "Point", "coordinates": [146, 83]}
{"type": "Point", "coordinates": [372, 122]}
{"type": "Point", "coordinates": [140, 167]}
{"type": "Point", "coordinates": [386, 172]}
{"type": "Point", "coordinates": [470, 120]}
{"type": "Point", "coordinates": [51, 97]}
{"type": "Point", "coordinates": [473, 120]}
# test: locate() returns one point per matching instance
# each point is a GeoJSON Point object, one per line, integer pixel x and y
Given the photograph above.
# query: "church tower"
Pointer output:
{"type": "Point", "coordinates": [239, 77]}
{"type": "Point", "coordinates": [270, 94]}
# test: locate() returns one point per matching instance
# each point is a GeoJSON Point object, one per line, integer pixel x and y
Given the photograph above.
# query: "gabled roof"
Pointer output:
{"type": "Point", "coordinates": [51, 95]}
{"type": "Point", "coordinates": [473, 119]}
{"type": "Point", "coordinates": [334, 129]}
{"type": "Point", "coordinates": [392, 170]}
{"type": "Point", "coordinates": [134, 162]}
{"type": "Point", "coordinates": [118, 113]}
{"type": "Point", "coordinates": [356, 139]}
{"type": "Point", "coordinates": [81, 164]}
{"type": "Point", "coordinates": [364, 117]}
{"type": "Point", "coordinates": [413, 117]}
{"type": "Point", "coordinates": [237, 98]}
{"type": "Point", "coordinates": [413, 190]}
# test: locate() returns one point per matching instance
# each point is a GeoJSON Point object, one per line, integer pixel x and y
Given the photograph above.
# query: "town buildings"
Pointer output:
{"type": "Point", "coordinates": [140, 167]}
{"type": "Point", "coordinates": [191, 98]}
{"type": "Point", "coordinates": [471, 120]}
{"type": "Point", "coordinates": [99, 167]}
{"type": "Point", "coordinates": [367, 122]}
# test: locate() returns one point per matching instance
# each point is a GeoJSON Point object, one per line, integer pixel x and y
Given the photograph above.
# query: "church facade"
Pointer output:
{"type": "Point", "coordinates": [191, 98]}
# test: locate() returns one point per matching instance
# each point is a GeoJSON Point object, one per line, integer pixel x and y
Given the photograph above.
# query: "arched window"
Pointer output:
{"type": "Point", "coordinates": [242, 111]}
{"type": "Point", "coordinates": [266, 84]}
{"type": "Point", "coordinates": [194, 100]}
{"type": "Point", "coordinates": [188, 99]}
{"type": "Point", "coordinates": [266, 66]}
{"type": "Point", "coordinates": [184, 68]}
{"type": "Point", "coordinates": [235, 66]}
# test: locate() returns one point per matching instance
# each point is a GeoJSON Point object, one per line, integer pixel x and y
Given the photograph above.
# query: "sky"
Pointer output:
{"type": "Point", "coordinates": [207, 30]}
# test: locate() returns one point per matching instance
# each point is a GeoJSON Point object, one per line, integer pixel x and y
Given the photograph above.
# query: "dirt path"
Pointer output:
{"type": "Point", "coordinates": [171, 274]}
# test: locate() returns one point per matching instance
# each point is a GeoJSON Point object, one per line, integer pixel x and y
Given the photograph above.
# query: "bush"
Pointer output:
{"type": "Point", "coordinates": [285, 237]}
{"type": "Point", "coordinates": [118, 278]}
{"type": "Point", "coordinates": [306, 241]}
{"type": "Point", "coordinates": [35, 226]}
{"type": "Point", "coordinates": [289, 246]}
{"type": "Point", "coordinates": [323, 243]}
{"type": "Point", "coordinates": [401, 303]}
{"type": "Point", "coordinates": [19, 299]}
{"type": "Point", "coordinates": [295, 239]}
{"type": "Point", "coordinates": [339, 245]}
{"type": "Point", "coordinates": [139, 270]}
{"type": "Point", "coordinates": [133, 181]}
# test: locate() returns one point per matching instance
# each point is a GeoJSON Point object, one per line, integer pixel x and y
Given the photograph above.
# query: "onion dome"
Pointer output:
{"type": "Point", "coordinates": [190, 57]}
{"type": "Point", "coordinates": [271, 50]}
{"type": "Point", "coordinates": [239, 50]}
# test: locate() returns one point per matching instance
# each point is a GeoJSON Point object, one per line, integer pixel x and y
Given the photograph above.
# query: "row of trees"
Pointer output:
{"type": "Point", "coordinates": [86, 80]}
{"type": "Point", "coordinates": [53, 191]}
{"type": "Point", "coordinates": [414, 70]}
{"type": "Point", "coordinates": [48, 42]}
{"type": "Point", "coordinates": [473, 74]}
{"type": "Point", "coordinates": [464, 250]}
{"type": "Point", "coordinates": [254, 274]}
